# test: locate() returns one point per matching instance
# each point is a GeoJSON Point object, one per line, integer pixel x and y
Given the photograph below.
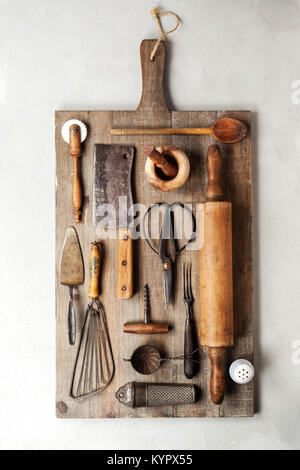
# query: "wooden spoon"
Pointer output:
{"type": "Point", "coordinates": [225, 130]}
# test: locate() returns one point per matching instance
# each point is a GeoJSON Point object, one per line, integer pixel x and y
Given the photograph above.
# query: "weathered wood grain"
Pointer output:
{"type": "Point", "coordinates": [237, 179]}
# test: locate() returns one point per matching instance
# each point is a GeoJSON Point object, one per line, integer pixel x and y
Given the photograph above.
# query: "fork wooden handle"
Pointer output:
{"type": "Point", "coordinates": [188, 349]}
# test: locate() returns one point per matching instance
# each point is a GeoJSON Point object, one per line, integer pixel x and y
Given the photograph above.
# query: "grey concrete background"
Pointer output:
{"type": "Point", "coordinates": [84, 54]}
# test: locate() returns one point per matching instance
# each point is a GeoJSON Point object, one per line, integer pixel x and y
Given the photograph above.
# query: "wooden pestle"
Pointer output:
{"type": "Point", "coordinates": [216, 296]}
{"type": "Point", "coordinates": [75, 152]}
{"type": "Point", "coordinates": [160, 161]}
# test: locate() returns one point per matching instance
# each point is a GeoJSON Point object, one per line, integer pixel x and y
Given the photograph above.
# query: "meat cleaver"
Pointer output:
{"type": "Point", "coordinates": [112, 199]}
{"type": "Point", "coordinates": [71, 274]}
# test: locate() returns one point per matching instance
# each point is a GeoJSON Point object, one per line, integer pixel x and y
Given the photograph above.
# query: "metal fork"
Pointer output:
{"type": "Point", "coordinates": [188, 300]}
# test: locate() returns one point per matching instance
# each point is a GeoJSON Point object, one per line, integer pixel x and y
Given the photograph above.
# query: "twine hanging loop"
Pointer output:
{"type": "Point", "coordinates": [163, 35]}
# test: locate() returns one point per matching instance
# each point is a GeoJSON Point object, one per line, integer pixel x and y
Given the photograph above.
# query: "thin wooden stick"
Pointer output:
{"type": "Point", "coordinates": [164, 131]}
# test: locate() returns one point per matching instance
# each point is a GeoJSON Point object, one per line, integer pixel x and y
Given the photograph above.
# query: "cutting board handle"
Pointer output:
{"type": "Point", "coordinates": [153, 98]}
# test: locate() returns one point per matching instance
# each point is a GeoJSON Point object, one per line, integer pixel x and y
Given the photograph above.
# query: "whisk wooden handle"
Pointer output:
{"type": "Point", "coordinates": [75, 152]}
{"type": "Point", "coordinates": [94, 271]}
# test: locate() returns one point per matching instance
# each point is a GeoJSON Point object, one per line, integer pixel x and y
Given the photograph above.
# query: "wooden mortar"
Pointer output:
{"type": "Point", "coordinates": [182, 163]}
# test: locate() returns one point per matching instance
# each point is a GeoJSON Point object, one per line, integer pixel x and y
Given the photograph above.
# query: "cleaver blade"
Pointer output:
{"type": "Point", "coordinates": [112, 198]}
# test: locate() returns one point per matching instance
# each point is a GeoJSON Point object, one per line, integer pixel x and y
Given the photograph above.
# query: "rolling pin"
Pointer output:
{"type": "Point", "coordinates": [216, 296]}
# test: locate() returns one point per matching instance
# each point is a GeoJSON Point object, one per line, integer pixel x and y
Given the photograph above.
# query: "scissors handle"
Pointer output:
{"type": "Point", "coordinates": [168, 278]}
{"type": "Point", "coordinates": [169, 206]}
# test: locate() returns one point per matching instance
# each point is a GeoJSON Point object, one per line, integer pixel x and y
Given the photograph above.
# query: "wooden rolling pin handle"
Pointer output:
{"type": "Point", "coordinates": [214, 191]}
{"type": "Point", "coordinates": [94, 267]}
{"type": "Point", "coordinates": [75, 152]}
{"type": "Point", "coordinates": [160, 161]}
{"type": "Point", "coordinates": [217, 379]}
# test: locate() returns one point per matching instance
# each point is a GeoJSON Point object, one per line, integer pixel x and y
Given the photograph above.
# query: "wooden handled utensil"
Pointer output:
{"type": "Point", "coordinates": [94, 365]}
{"type": "Point", "coordinates": [216, 296]}
{"type": "Point", "coordinates": [188, 299]}
{"type": "Point", "coordinates": [112, 201]}
{"type": "Point", "coordinates": [225, 130]}
{"type": "Point", "coordinates": [75, 152]}
{"type": "Point", "coordinates": [74, 132]}
{"type": "Point", "coordinates": [71, 275]}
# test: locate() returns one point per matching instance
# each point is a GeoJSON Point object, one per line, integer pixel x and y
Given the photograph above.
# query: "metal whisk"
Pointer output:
{"type": "Point", "coordinates": [94, 365]}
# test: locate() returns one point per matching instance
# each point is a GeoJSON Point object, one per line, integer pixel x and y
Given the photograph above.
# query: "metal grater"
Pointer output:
{"type": "Point", "coordinates": [138, 394]}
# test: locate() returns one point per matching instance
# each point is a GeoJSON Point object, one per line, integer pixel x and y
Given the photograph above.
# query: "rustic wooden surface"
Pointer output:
{"type": "Point", "coordinates": [237, 179]}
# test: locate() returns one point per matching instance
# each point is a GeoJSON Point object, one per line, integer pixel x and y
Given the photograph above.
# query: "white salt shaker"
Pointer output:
{"type": "Point", "coordinates": [241, 371]}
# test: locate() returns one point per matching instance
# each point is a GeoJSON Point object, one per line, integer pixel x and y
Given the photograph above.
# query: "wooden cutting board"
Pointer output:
{"type": "Point", "coordinates": [153, 112]}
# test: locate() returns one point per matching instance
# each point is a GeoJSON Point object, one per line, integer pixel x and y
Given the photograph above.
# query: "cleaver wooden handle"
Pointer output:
{"type": "Point", "coordinates": [125, 265]}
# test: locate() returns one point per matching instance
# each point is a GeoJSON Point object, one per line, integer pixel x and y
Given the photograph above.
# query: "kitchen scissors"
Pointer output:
{"type": "Point", "coordinates": [167, 250]}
